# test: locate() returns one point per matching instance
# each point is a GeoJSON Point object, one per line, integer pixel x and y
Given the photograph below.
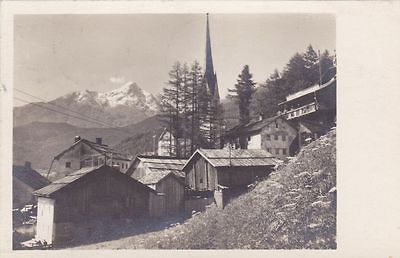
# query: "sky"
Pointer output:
{"type": "Point", "coordinates": [58, 54]}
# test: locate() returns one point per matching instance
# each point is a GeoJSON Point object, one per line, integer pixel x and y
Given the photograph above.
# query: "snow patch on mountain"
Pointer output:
{"type": "Point", "coordinates": [129, 94]}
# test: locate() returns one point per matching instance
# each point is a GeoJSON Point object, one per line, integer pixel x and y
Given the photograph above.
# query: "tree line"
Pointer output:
{"type": "Point", "coordinates": [187, 108]}
{"type": "Point", "coordinates": [188, 112]}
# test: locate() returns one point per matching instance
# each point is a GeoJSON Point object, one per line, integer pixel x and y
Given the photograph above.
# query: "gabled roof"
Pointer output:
{"type": "Point", "coordinates": [255, 126]}
{"type": "Point", "coordinates": [308, 90]}
{"type": "Point", "coordinates": [72, 178]}
{"type": "Point", "coordinates": [234, 158]}
{"type": "Point", "coordinates": [157, 175]}
{"type": "Point", "coordinates": [100, 148]}
{"type": "Point", "coordinates": [30, 177]}
{"type": "Point", "coordinates": [171, 164]}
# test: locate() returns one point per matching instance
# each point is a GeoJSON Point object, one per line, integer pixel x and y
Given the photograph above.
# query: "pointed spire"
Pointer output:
{"type": "Point", "coordinates": [209, 73]}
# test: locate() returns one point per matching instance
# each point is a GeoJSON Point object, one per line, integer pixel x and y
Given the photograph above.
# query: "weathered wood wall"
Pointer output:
{"type": "Point", "coordinates": [240, 176]}
{"type": "Point", "coordinates": [157, 205]}
{"type": "Point", "coordinates": [101, 195]}
{"type": "Point", "coordinates": [202, 176]}
{"type": "Point", "coordinates": [174, 194]}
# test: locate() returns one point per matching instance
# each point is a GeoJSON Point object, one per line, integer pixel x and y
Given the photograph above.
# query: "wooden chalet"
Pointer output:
{"type": "Point", "coordinates": [84, 153]}
{"type": "Point", "coordinates": [164, 175]}
{"type": "Point", "coordinates": [316, 103]}
{"type": "Point", "coordinates": [90, 194]}
{"type": "Point", "coordinates": [227, 172]}
{"type": "Point", "coordinates": [276, 135]}
{"type": "Point", "coordinates": [312, 109]}
{"type": "Point", "coordinates": [25, 182]}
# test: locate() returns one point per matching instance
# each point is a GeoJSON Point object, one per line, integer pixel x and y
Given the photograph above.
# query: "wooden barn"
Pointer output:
{"type": "Point", "coordinates": [275, 135]}
{"type": "Point", "coordinates": [226, 173]}
{"type": "Point", "coordinates": [163, 174]}
{"type": "Point", "coordinates": [87, 195]}
{"type": "Point", "coordinates": [25, 182]}
{"type": "Point", "coordinates": [84, 153]}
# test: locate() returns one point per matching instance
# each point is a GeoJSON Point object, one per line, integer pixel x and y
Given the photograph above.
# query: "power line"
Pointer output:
{"type": "Point", "coordinates": [62, 107]}
{"type": "Point", "coordinates": [66, 114]}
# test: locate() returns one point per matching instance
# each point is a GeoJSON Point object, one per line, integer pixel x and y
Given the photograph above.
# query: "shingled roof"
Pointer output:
{"type": "Point", "coordinates": [157, 175]}
{"type": "Point", "coordinates": [30, 177]}
{"type": "Point", "coordinates": [59, 184]}
{"type": "Point", "coordinates": [254, 126]}
{"type": "Point", "coordinates": [234, 158]}
{"type": "Point", "coordinates": [155, 163]}
{"type": "Point", "coordinates": [100, 148]}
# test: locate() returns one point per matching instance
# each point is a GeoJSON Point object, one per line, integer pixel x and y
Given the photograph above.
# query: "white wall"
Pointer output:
{"type": "Point", "coordinates": [45, 220]}
{"type": "Point", "coordinates": [255, 142]}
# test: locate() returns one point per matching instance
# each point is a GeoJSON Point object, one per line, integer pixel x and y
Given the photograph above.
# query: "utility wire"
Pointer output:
{"type": "Point", "coordinates": [62, 107]}
{"type": "Point", "coordinates": [66, 114]}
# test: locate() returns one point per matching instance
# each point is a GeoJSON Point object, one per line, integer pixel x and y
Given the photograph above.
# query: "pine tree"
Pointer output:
{"type": "Point", "coordinates": [302, 71]}
{"type": "Point", "coordinates": [244, 89]}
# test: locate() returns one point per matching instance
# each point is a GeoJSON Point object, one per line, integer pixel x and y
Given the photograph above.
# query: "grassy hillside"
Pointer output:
{"type": "Point", "coordinates": [294, 208]}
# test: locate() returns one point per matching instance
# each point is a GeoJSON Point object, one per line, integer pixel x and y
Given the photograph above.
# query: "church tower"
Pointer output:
{"type": "Point", "coordinates": [213, 124]}
{"type": "Point", "coordinates": [210, 76]}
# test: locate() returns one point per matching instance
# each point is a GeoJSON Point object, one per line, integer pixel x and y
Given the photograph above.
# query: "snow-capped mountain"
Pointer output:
{"type": "Point", "coordinates": [119, 107]}
{"type": "Point", "coordinates": [128, 94]}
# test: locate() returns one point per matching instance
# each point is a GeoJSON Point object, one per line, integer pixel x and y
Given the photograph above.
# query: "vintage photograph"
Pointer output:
{"type": "Point", "coordinates": [174, 131]}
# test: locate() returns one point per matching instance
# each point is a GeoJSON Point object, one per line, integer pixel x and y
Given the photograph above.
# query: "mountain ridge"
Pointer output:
{"type": "Point", "coordinates": [119, 107]}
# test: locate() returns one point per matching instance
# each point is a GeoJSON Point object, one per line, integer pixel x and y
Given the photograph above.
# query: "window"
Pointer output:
{"type": "Point", "coordinates": [201, 180]}
{"type": "Point", "coordinates": [276, 137]}
{"type": "Point", "coordinates": [277, 151]}
{"type": "Point", "coordinates": [268, 149]}
{"type": "Point", "coordinates": [276, 125]}
{"type": "Point", "coordinates": [283, 137]}
{"type": "Point", "coordinates": [67, 164]}
{"type": "Point", "coordinates": [268, 136]}
{"type": "Point", "coordinates": [284, 152]}
{"type": "Point", "coordinates": [249, 138]}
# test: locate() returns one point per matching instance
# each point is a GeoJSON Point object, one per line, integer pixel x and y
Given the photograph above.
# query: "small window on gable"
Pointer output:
{"type": "Point", "coordinates": [249, 138]}
{"type": "Point", "coordinates": [67, 164]}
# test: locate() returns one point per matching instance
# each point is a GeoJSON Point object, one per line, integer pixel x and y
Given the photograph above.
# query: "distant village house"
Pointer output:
{"type": "Point", "coordinates": [84, 153]}
{"type": "Point", "coordinates": [276, 135]}
{"type": "Point", "coordinates": [173, 145]}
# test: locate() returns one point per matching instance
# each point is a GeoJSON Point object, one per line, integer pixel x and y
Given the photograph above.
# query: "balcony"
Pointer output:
{"type": "Point", "coordinates": [301, 111]}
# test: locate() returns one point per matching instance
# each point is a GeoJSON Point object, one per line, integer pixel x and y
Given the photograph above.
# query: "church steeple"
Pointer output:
{"type": "Point", "coordinates": [210, 76]}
